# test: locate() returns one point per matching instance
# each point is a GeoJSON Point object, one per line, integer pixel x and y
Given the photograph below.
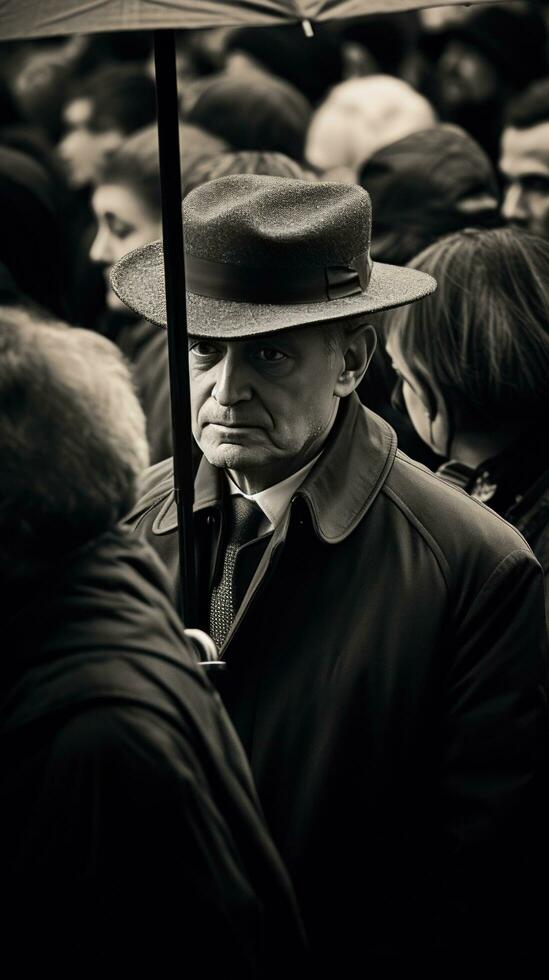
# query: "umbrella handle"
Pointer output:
{"type": "Point", "coordinates": [176, 310]}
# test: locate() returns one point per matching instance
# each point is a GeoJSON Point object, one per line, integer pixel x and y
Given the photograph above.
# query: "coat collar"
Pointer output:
{"type": "Point", "coordinates": [340, 488]}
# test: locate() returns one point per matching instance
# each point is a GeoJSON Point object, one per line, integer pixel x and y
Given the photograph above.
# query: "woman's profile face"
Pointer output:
{"type": "Point", "coordinates": [413, 393]}
{"type": "Point", "coordinates": [124, 222]}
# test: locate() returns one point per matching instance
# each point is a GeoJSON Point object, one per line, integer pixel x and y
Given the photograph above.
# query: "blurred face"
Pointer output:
{"type": "Point", "coordinates": [124, 222]}
{"type": "Point", "coordinates": [525, 167]}
{"type": "Point", "coordinates": [82, 150]}
{"type": "Point", "coordinates": [465, 75]}
{"type": "Point", "coordinates": [263, 406]}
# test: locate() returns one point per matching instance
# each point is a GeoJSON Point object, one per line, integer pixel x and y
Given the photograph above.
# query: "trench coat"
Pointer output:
{"type": "Point", "coordinates": [130, 825]}
{"type": "Point", "coordinates": [386, 673]}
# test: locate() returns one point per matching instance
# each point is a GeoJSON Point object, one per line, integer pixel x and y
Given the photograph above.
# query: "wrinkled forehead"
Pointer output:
{"type": "Point", "coordinates": [525, 151]}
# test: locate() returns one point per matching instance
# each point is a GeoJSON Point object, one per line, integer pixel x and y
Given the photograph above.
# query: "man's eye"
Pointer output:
{"type": "Point", "coordinates": [536, 184]}
{"type": "Point", "coordinates": [271, 355]}
{"type": "Point", "coordinates": [203, 350]}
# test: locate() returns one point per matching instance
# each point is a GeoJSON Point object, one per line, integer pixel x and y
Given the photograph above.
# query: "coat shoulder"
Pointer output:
{"type": "Point", "coordinates": [450, 518]}
{"type": "Point", "coordinates": [155, 484]}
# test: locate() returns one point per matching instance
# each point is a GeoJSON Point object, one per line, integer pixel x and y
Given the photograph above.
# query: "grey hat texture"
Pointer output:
{"type": "Point", "coordinates": [268, 253]}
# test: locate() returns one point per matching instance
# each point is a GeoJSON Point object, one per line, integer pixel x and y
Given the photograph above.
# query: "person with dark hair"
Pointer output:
{"type": "Point", "coordinates": [32, 244]}
{"type": "Point", "coordinates": [127, 206]}
{"type": "Point", "coordinates": [473, 365]}
{"type": "Point", "coordinates": [254, 111]}
{"type": "Point", "coordinates": [313, 65]}
{"type": "Point", "coordinates": [104, 107]}
{"type": "Point", "coordinates": [383, 633]}
{"type": "Point", "coordinates": [129, 818]}
{"type": "Point", "coordinates": [479, 68]}
{"type": "Point", "coordinates": [426, 185]}
{"type": "Point", "coordinates": [524, 160]}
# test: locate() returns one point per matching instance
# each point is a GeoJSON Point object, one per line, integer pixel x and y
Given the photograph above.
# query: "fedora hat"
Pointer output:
{"type": "Point", "coordinates": [267, 253]}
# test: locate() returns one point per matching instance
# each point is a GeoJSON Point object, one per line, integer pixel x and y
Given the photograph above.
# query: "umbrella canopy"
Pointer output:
{"type": "Point", "coordinates": [47, 18]}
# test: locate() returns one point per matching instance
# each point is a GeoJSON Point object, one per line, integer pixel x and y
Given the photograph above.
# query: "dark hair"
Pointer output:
{"type": "Point", "coordinates": [72, 440]}
{"type": "Point", "coordinates": [136, 164]}
{"type": "Point", "coordinates": [242, 162]}
{"type": "Point", "coordinates": [258, 112]}
{"type": "Point", "coordinates": [123, 98]}
{"type": "Point", "coordinates": [312, 64]}
{"type": "Point", "coordinates": [530, 107]}
{"type": "Point", "coordinates": [483, 335]}
{"type": "Point", "coordinates": [420, 186]}
{"type": "Point", "coordinates": [32, 245]}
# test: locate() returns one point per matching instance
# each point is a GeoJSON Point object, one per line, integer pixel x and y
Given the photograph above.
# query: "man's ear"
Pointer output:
{"type": "Point", "coordinates": [358, 346]}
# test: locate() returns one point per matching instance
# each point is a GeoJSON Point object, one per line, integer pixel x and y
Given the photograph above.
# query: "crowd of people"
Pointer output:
{"type": "Point", "coordinates": [345, 758]}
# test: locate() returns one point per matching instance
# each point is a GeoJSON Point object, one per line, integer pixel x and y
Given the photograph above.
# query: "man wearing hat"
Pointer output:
{"type": "Point", "coordinates": [383, 633]}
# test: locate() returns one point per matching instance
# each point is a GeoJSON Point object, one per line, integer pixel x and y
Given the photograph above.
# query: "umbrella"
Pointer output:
{"type": "Point", "coordinates": [25, 19]}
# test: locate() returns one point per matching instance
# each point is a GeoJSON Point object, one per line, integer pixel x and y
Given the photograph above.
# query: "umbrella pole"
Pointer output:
{"type": "Point", "coordinates": [176, 308]}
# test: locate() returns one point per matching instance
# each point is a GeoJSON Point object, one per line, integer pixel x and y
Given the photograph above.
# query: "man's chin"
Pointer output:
{"type": "Point", "coordinates": [231, 456]}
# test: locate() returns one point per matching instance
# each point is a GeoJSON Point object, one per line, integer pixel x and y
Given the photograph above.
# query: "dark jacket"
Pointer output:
{"type": "Point", "coordinates": [126, 799]}
{"type": "Point", "coordinates": [386, 675]}
{"type": "Point", "coordinates": [516, 485]}
{"type": "Point", "coordinates": [146, 347]}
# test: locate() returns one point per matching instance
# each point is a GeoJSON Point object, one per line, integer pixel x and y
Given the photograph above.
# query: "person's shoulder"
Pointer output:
{"type": "Point", "coordinates": [459, 524]}
{"type": "Point", "coordinates": [155, 485]}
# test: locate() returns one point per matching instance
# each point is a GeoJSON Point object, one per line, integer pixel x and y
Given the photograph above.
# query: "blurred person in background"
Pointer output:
{"type": "Point", "coordinates": [101, 110]}
{"type": "Point", "coordinates": [473, 366]}
{"type": "Point", "coordinates": [126, 203]}
{"type": "Point", "coordinates": [524, 160]}
{"type": "Point", "coordinates": [480, 63]}
{"type": "Point", "coordinates": [254, 111]}
{"type": "Point", "coordinates": [312, 65]}
{"type": "Point", "coordinates": [128, 809]}
{"type": "Point", "coordinates": [422, 187]}
{"type": "Point", "coordinates": [33, 245]}
{"type": "Point", "coordinates": [358, 118]}
{"type": "Point", "coordinates": [242, 162]}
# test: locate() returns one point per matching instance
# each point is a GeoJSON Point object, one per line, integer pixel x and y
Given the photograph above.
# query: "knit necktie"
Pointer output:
{"type": "Point", "coordinates": [244, 518]}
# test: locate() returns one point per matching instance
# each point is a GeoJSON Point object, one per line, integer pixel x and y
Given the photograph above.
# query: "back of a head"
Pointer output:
{"type": "Point", "coordinates": [123, 98]}
{"type": "Point", "coordinates": [427, 185]}
{"type": "Point", "coordinates": [72, 441]}
{"type": "Point", "coordinates": [361, 116]}
{"type": "Point", "coordinates": [136, 163]}
{"type": "Point", "coordinates": [484, 334]}
{"type": "Point", "coordinates": [256, 113]}
{"type": "Point", "coordinates": [312, 64]}
{"type": "Point", "coordinates": [242, 162]}
{"type": "Point", "coordinates": [32, 244]}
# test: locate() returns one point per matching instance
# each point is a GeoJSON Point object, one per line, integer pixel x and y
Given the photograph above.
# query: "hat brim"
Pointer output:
{"type": "Point", "coordinates": [138, 280]}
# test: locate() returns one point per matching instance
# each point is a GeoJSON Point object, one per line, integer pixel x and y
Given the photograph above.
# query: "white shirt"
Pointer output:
{"type": "Point", "coordinates": [274, 501]}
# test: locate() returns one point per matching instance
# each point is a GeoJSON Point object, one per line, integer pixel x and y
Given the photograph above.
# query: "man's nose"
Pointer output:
{"type": "Point", "coordinates": [232, 383]}
{"type": "Point", "coordinates": [100, 250]}
{"type": "Point", "coordinates": [514, 205]}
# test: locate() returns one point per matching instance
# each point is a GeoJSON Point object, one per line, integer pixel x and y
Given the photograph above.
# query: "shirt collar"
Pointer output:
{"type": "Point", "coordinates": [275, 500]}
{"type": "Point", "coordinates": [354, 465]}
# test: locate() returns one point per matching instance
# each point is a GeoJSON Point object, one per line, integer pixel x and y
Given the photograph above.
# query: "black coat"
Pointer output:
{"type": "Point", "coordinates": [386, 673]}
{"type": "Point", "coordinates": [126, 799]}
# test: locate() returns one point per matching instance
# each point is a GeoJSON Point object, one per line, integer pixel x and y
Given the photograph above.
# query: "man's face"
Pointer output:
{"type": "Point", "coordinates": [465, 76]}
{"type": "Point", "coordinates": [82, 150]}
{"type": "Point", "coordinates": [524, 164]}
{"type": "Point", "coordinates": [262, 406]}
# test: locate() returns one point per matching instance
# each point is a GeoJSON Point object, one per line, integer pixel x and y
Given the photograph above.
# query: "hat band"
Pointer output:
{"type": "Point", "coordinates": [247, 284]}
